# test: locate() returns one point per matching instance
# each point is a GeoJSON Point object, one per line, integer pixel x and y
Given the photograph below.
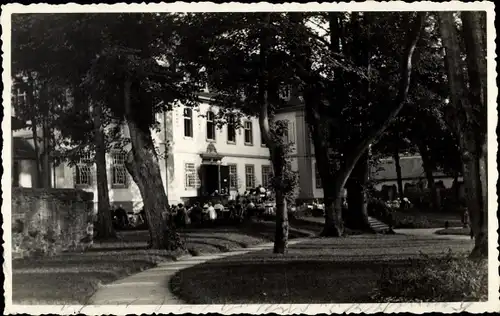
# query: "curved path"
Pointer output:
{"type": "Point", "coordinates": [151, 287]}
{"type": "Point", "coordinates": [429, 232]}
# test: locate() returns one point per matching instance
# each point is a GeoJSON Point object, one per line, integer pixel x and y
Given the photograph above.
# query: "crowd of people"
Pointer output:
{"type": "Point", "coordinates": [257, 203]}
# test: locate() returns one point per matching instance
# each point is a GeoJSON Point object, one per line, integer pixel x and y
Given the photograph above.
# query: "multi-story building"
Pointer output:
{"type": "Point", "coordinates": [196, 157]}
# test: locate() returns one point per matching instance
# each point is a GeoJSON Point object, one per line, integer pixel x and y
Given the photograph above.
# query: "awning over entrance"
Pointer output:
{"type": "Point", "coordinates": [214, 176]}
{"type": "Point", "coordinates": [211, 156]}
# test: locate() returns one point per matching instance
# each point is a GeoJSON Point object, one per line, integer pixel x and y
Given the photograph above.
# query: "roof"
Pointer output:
{"type": "Point", "coordinates": [22, 149]}
{"type": "Point", "coordinates": [411, 168]}
{"type": "Point", "coordinates": [295, 103]}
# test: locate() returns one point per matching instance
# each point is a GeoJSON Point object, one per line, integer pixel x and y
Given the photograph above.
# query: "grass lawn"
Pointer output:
{"type": "Point", "coordinates": [341, 270]}
{"type": "Point", "coordinates": [71, 278]}
{"type": "Point", "coordinates": [414, 218]}
{"type": "Point", "coordinates": [454, 231]}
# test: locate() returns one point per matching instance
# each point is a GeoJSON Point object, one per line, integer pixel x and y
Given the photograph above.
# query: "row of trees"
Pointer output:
{"type": "Point", "coordinates": [366, 92]}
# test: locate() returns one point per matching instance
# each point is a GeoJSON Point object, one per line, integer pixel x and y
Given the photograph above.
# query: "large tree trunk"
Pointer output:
{"type": "Point", "coordinates": [147, 173]}
{"type": "Point", "coordinates": [357, 196]}
{"type": "Point", "coordinates": [47, 170]}
{"type": "Point", "coordinates": [320, 128]}
{"type": "Point", "coordinates": [471, 121]}
{"type": "Point", "coordinates": [340, 177]}
{"type": "Point", "coordinates": [399, 177]}
{"type": "Point", "coordinates": [474, 39]}
{"type": "Point", "coordinates": [275, 149]}
{"type": "Point", "coordinates": [105, 221]}
{"type": "Point", "coordinates": [282, 224]}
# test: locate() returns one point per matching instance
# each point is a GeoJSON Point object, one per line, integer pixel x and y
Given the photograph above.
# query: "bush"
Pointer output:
{"type": "Point", "coordinates": [446, 279]}
{"type": "Point", "coordinates": [173, 240]}
{"type": "Point", "coordinates": [380, 210]}
{"type": "Point", "coordinates": [402, 221]}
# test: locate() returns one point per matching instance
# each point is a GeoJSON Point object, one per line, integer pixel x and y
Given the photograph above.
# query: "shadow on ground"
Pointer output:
{"type": "Point", "coordinates": [319, 270]}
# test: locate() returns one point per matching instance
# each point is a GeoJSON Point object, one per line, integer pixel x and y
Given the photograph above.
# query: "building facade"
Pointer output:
{"type": "Point", "coordinates": [197, 157]}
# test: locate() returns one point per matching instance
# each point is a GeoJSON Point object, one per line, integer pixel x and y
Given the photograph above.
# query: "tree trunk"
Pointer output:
{"type": "Point", "coordinates": [147, 174]}
{"type": "Point", "coordinates": [399, 177]}
{"type": "Point", "coordinates": [282, 225]}
{"type": "Point", "coordinates": [105, 220]}
{"type": "Point", "coordinates": [471, 120]}
{"type": "Point", "coordinates": [357, 196]}
{"type": "Point", "coordinates": [473, 36]}
{"type": "Point", "coordinates": [46, 183]}
{"type": "Point", "coordinates": [431, 184]}
{"type": "Point", "coordinates": [275, 149]}
{"type": "Point", "coordinates": [340, 178]}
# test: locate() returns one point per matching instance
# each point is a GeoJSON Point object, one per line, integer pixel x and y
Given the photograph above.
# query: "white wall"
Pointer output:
{"type": "Point", "coordinates": [198, 143]}
{"type": "Point", "coordinates": [447, 182]}
{"type": "Point", "coordinates": [27, 173]}
{"type": "Point", "coordinates": [131, 193]}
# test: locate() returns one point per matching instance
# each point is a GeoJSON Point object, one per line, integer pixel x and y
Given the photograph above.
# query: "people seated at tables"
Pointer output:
{"type": "Point", "coordinates": [210, 211]}
{"type": "Point", "coordinates": [196, 213]}
{"type": "Point", "coordinates": [181, 218]}
{"type": "Point", "coordinates": [218, 206]}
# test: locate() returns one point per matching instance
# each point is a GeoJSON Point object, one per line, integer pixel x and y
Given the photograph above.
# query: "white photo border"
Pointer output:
{"type": "Point", "coordinates": [493, 303]}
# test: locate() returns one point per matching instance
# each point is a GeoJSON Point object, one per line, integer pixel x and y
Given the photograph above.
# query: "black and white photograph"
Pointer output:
{"type": "Point", "coordinates": [239, 158]}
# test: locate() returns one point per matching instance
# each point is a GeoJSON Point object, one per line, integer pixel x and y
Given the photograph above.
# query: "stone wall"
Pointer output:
{"type": "Point", "coordinates": [49, 221]}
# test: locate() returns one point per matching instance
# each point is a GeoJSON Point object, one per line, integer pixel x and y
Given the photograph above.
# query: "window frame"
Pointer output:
{"type": "Point", "coordinates": [245, 129]}
{"type": "Point", "coordinates": [211, 121]}
{"type": "Point", "coordinates": [231, 125]}
{"type": "Point", "coordinates": [119, 166]}
{"type": "Point", "coordinates": [187, 115]}
{"type": "Point", "coordinates": [85, 163]}
{"type": "Point", "coordinates": [247, 187]}
{"type": "Point", "coordinates": [187, 174]}
{"type": "Point", "coordinates": [268, 175]}
{"type": "Point", "coordinates": [233, 177]}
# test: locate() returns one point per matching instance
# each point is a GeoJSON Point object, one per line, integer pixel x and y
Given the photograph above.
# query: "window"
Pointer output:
{"type": "Point", "coordinates": [190, 176]}
{"type": "Point", "coordinates": [19, 97]}
{"type": "Point", "coordinates": [231, 130]}
{"type": "Point", "coordinates": [118, 169]}
{"type": "Point", "coordinates": [317, 177]}
{"type": "Point", "coordinates": [250, 176]}
{"type": "Point", "coordinates": [285, 92]}
{"type": "Point", "coordinates": [248, 133]}
{"type": "Point", "coordinates": [210, 125]}
{"type": "Point", "coordinates": [266, 176]}
{"type": "Point", "coordinates": [83, 171]}
{"type": "Point", "coordinates": [233, 177]}
{"type": "Point", "coordinates": [188, 122]}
